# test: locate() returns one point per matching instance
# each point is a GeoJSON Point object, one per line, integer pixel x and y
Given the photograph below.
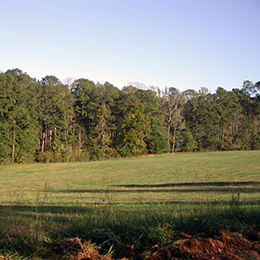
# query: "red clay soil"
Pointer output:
{"type": "Point", "coordinates": [224, 246]}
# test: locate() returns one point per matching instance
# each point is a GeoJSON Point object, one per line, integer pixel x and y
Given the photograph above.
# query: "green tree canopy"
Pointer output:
{"type": "Point", "coordinates": [135, 129]}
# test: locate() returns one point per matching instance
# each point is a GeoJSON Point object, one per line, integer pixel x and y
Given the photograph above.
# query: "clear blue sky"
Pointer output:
{"type": "Point", "coordinates": [185, 44]}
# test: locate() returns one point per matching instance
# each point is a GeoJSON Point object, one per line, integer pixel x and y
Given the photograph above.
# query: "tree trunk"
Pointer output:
{"type": "Point", "coordinates": [50, 138]}
{"type": "Point", "coordinates": [13, 145]}
{"type": "Point", "coordinates": [43, 142]}
{"type": "Point", "coordinates": [174, 141]}
{"type": "Point", "coordinates": [79, 140]}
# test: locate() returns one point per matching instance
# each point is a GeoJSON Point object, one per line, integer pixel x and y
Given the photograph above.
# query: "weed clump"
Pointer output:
{"type": "Point", "coordinates": [74, 249]}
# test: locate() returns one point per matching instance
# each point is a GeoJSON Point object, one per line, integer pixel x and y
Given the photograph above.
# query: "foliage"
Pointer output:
{"type": "Point", "coordinates": [48, 121]}
{"type": "Point", "coordinates": [135, 128]}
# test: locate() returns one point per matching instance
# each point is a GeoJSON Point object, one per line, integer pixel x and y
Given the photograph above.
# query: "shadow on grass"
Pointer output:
{"type": "Point", "coordinates": [225, 187]}
{"type": "Point", "coordinates": [91, 207]}
{"type": "Point", "coordinates": [27, 229]}
{"type": "Point", "coordinates": [32, 229]}
{"type": "Point", "coordinates": [113, 229]}
{"type": "Point", "coordinates": [191, 184]}
{"type": "Point", "coordinates": [225, 190]}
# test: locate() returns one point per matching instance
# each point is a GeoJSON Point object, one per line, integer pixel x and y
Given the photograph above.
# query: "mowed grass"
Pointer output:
{"type": "Point", "coordinates": [181, 178]}
{"type": "Point", "coordinates": [139, 201]}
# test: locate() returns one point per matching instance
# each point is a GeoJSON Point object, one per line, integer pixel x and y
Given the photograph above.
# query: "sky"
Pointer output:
{"type": "Point", "coordinates": [186, 44]}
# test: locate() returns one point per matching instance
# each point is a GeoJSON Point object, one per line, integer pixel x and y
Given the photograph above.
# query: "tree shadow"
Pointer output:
{"type": "Point", "coordinates": [90, 207]}
{"type": "Point", "coordinates": [189, 187]}
{"type": "Point", "coordinates": [190, 184]}
{"type": "Point", "coordinates": [223, 190]}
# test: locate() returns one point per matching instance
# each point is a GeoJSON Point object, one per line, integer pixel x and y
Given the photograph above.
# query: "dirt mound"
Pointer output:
{"type": "Point", "coordinates": [222, 247]}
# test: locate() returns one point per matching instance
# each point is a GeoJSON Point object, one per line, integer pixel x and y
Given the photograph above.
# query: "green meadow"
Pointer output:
{"type": "Point", "coordinates": [138, 201]}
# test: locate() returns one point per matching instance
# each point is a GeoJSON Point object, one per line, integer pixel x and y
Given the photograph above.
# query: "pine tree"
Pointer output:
{"type": "Point", "coordinates": [135, 129]}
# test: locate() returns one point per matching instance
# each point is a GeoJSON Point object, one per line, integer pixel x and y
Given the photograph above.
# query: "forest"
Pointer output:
{"type": "Point", "coordinates": [50, 121]}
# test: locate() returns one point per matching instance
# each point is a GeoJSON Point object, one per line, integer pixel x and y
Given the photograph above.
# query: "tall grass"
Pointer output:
{"type": "Point", "coordinates": [140, 202]}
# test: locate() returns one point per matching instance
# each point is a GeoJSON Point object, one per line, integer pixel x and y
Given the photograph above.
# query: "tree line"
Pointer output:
{"type": "Point", "coordinates": [51, 121]}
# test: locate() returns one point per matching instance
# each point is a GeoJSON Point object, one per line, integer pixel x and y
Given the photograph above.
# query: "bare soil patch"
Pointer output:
{"type": "Point", "coordinates": [223, 246]}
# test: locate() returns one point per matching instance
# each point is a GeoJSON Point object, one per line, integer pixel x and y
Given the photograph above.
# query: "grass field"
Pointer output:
{"type": "Point", "coordinates": [140, 201]}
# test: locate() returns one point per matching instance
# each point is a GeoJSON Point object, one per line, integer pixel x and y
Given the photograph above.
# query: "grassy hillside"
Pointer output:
{"type": "Point", "coordinates": [141, 201]}
{"type": "Point", "coordinates": [204, 177]}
